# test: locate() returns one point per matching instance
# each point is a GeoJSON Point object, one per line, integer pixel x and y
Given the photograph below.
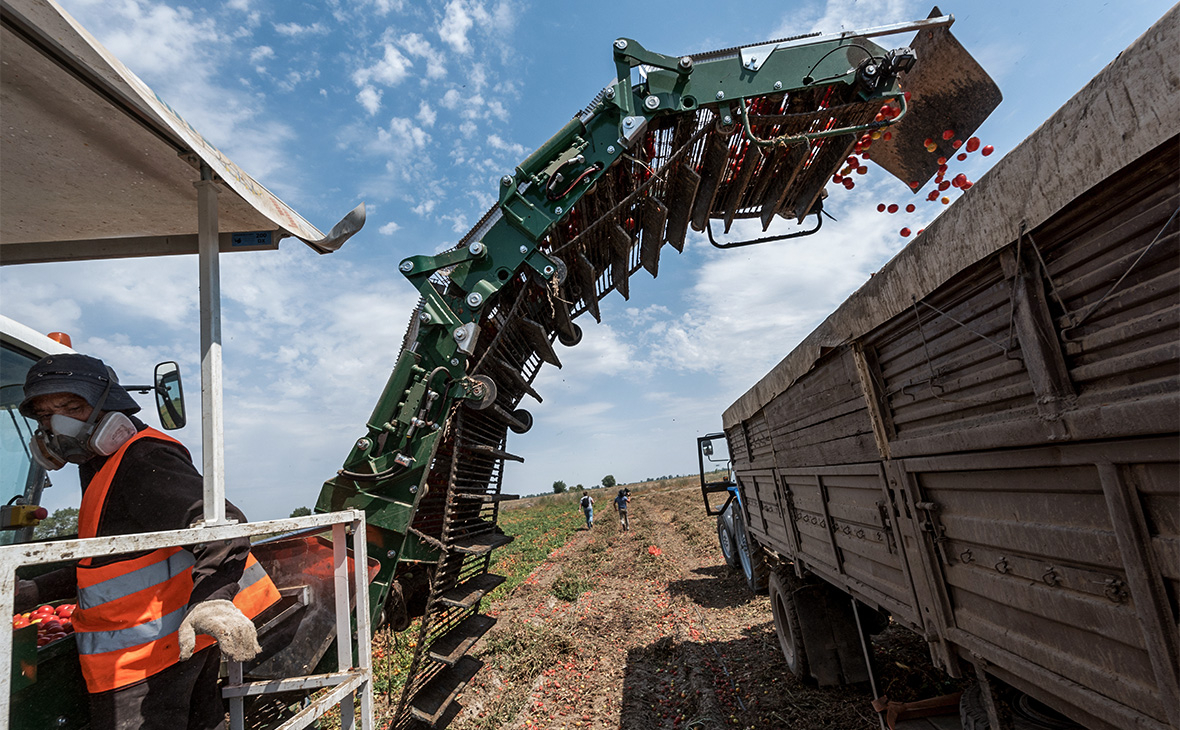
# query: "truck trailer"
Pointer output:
{"type": "Point", "coordinates": [982, 441]}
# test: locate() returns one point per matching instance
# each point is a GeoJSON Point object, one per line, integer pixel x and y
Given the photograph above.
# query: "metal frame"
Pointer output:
{"type": "Point", "coordinates": [348, 681]}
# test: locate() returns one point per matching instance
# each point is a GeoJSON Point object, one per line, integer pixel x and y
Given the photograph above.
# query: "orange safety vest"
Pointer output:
{"type": "Point", "coordinates": [129, 611]}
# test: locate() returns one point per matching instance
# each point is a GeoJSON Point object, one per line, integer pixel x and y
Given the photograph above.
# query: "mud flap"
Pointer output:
{"type": "Point", "coordinates": [829, 636]}
{"type": "Point", "coordinates": [948, 90]}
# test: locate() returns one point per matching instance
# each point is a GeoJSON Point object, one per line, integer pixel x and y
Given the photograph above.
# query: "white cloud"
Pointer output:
{"type": "Point", "coordinates": [417, 46]}
{"type": "Point", "coordinates": [425, 207]}
{"type": "Point", "coordinates": [295, 29]}
{"type": "Point", "coordinates": [384, 7]}
{"type": "Point", "coordinates": [261, 53]}
{"type": "Point", "coordinates": [370, 99]}
{"type": "Point", "coordinates": [511, 148]}
{"type": "Point", "coordinates": [451, 99]}
{"type": "Point", "coordinates": [455, 25]}
{"type": "Point", "coordinates": [388, 229]}
{"type": "Point", "coordinates": [391, 70]}
{"type": "Point", "coordinates": [404, 135]}
{"type": "Point", "coordinates": [427, 115]}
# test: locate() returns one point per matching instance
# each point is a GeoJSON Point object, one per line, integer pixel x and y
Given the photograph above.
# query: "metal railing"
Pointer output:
{"type": "Point", "coordinates": [346, 683]}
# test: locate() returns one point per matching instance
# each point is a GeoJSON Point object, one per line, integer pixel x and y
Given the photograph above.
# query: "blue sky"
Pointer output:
{"type": "Point", "coordinates": [417, 109]}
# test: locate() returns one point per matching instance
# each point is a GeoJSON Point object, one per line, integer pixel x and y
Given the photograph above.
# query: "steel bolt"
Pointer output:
{"type": "Point", "coordinates": [778, 85]}
{"type": "Point", "coordinates": [476, 248]}
{"type": "Point", "coordinates": [610, 149]}
{"type": "Point", "coordinates": [652, 102]}
{"type": "Point", "coordinates": [424, 318]}
{"type": "Point", "coordinates": [391, 554]}
{"type": "Point", "coordinates": [524, 249]}
{"type": "Point", "coordinates": [727, 120]}
{"type": "Point", "coordinates": [407, 266]}
{"type": "Point", "coordinates": [474, 299]}
{"type": "Point", "coordinates": [621, 44]}
{"type": "Point", "coordinates": [363, 444]}
{"type": "Point", "coordinates": [506, 180]}
{"type": "Point", "coordinates": [454, 361]}
{"type": "Point", "coordinates": [610, 93]}
{"type": "Point", "coordinates": [685, 62]}
{"type": "Point", "coordinates": [548, 270]}
{"type": "Point", "coordinates": [629, 122]}
{"type": "Point", "coordinates": [460, 334]}
{"type": "Point", "coordinates": [720, 94]}
{"type": "Point", "coordinates": [414, 489]}
{"type": "Point", "coordinates": [558, 210]}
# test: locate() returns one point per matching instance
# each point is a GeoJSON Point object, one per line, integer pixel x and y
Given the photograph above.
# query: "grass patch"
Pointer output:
{"type": "Point", "coordinates": [569, 586]}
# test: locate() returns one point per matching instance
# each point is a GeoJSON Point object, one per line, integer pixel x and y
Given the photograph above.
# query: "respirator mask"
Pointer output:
{"type": "Point", "coordinates": [70, 441]}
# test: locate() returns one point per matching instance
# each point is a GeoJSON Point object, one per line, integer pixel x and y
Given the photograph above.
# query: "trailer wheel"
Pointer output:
{"type": "Point", "coordinates": [753, 562]}
{"type": "Point", "coordinates": [786, 625]}
{"type": "Point", "coordinates": [729, 548]}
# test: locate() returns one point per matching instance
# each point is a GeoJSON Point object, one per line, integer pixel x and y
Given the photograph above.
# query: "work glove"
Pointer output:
{"type": "Point", "coordinates": [223, 621]}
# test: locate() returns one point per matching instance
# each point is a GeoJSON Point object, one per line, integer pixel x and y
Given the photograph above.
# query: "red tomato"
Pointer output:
{"type": "Point", "coordinates": [973, 144]}
{"type": "Point", "coordinates": [909, 208]}
{"type": "Point", "coordinates": [948, 134]}
{"type": "Point", "coordinates": [880, 207]}
{"type": "Point", "coordinates": [961, 156]}
{"type": "Point", "coordinates": [905, 233]}
{"type": "Point", "coordinates": [892, 208]}
{"type": "Point", "coordinates": [987, 150]}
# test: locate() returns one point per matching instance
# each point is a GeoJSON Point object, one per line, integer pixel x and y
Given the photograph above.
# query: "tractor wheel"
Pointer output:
{"type": "Point", "coordinates": [729, 548]}
{"type": "Point", "coordinates": [786, 625]}
{"type": "Point", "coordinates": [754, 565]}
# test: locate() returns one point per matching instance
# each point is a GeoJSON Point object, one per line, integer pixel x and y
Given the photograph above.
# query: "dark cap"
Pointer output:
{"type": "Point", "coordinates": [81, 375]}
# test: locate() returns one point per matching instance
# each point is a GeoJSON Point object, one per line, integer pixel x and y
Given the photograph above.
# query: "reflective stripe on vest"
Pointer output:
{"type": "Point", "coordinates": [100, 642]}
{"type": "Point", "coordinates": [137, 580]}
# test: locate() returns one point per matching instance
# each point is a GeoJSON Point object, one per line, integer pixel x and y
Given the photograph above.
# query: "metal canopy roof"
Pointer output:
{"type": "Point", "coordinates": [93, 164]}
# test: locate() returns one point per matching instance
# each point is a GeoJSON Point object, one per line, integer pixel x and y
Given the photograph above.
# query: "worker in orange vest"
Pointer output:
{"type": "Point", "coordinates": [145, 622]}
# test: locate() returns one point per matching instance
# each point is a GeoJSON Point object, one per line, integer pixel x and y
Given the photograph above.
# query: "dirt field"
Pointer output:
{"type": "Point", "coordinates": [649, 629]}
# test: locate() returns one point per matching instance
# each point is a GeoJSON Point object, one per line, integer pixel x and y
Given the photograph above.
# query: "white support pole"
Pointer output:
{"type": "Point", "coordinates": [343, 618]}
{"type": "Point", "coordinates": [360, 556]}
{"type": "Point", "coordinates": [212, 437]}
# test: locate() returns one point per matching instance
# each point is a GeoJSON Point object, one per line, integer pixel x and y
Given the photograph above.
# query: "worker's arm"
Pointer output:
{"type": "Point", "coordinates": [158, 488]}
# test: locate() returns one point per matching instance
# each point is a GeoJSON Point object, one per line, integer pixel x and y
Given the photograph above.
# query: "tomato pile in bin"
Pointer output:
{"type": "Point", "coordinates": [53, 622]}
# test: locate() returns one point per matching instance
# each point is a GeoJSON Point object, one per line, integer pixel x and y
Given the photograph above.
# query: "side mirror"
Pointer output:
{"type": "Point", "coordinates": [170, 396]}
{"type": "Point", "coordinates": [707, 448]}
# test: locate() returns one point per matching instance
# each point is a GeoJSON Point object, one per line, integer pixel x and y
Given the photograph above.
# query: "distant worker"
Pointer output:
{"type": "Point", "coordinates": [139, 614]}
{"type": "Point", "coordinates": [587, 503]}
{"type": "Point", "coordinates": [621, 503]}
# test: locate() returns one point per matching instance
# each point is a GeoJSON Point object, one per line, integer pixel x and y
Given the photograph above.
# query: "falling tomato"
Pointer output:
{"type": "Point", "coordinates": [909, 208]}
{"type": "Point", "coordinates": [905, 233]}
{"type": "Point", "coordinates": [961, 156]}
{"type": "Point", "coordinates": [892, 208]}
{"type": "Point", "coordinates": [948, 134]}
{"type": "Point", "coordinates": [973, 144]}
{"type": "Point", "coordinates": [987, 150]}
{"type": "Point", "coordinates": [880, 207]}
